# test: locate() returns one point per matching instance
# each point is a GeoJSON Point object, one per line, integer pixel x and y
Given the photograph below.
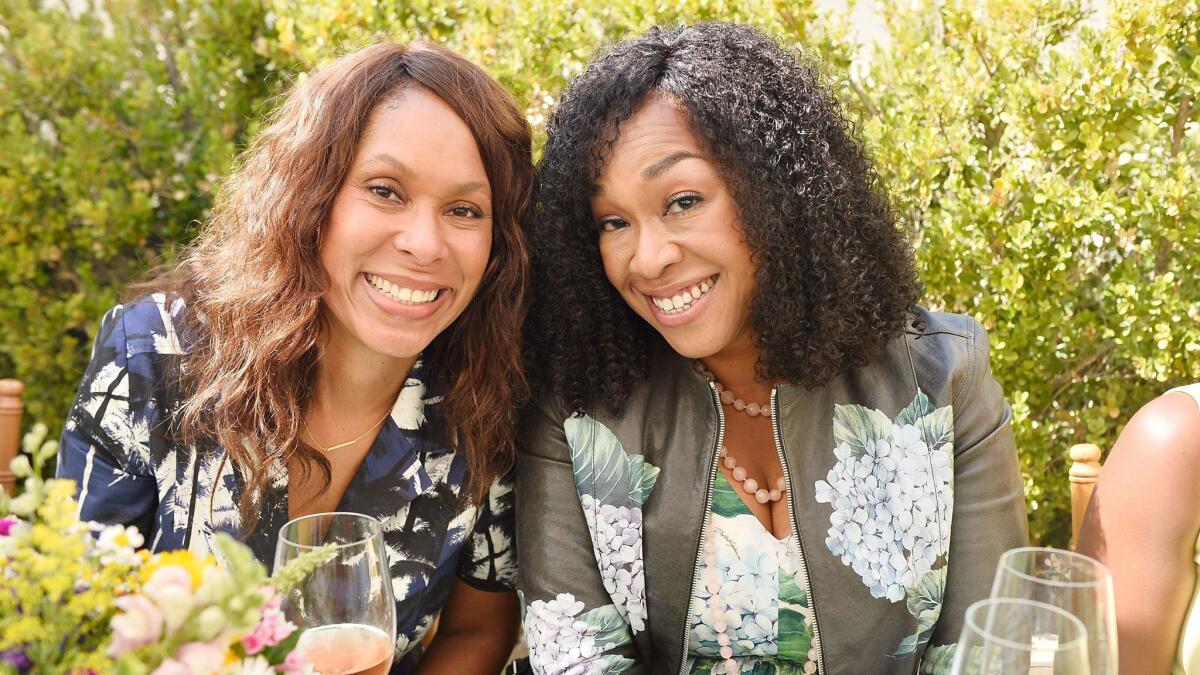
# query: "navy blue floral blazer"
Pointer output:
{"type": "Point", "coordinates": [129, 470]}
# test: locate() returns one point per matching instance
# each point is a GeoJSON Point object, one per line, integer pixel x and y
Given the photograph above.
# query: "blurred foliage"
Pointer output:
{"type": "Point", "coordinates": [1042, 152]}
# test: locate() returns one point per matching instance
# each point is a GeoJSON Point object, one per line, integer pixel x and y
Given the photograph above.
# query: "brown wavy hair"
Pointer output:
{"type": "Point", "coordinates": [253, 280]}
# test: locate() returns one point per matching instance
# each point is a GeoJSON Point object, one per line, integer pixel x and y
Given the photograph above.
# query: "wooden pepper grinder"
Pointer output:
{"type": "Point", "coordinates": [11, 408]}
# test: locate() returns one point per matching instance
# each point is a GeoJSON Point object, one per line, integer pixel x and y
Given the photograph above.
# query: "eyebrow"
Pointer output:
{"type": "Point", "coordinates": [660, 167]}
{"type": "Point", "coordinates": [404, 170]}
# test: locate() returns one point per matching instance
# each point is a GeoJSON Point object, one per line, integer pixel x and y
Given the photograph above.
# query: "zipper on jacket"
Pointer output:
{"type": "Point", "coordinates": [787, 478]}
{"type": "Point", "coordinates": [708, 488]}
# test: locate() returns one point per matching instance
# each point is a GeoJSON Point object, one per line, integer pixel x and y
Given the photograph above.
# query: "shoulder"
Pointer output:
{"type": "Point", "coordinates": [149, 323]}
{"type": "Point", "coordinates": [947, 351]}
{"type": "Point", "coordinates": [1163, 438]}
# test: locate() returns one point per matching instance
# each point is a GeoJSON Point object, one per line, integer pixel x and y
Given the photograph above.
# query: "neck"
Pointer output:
{"type": "Point", "coordinates": [352, 380]}
{"type": "Point", "coordinates": [734, 368]}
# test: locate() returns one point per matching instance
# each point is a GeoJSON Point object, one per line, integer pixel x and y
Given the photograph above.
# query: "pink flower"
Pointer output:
{"type": "Point", "coordinates": [295, 664]}
{"type": "Point", "coordinates": [272, 628]}
{"type": "Point", "coordinates": [170, 587]}
{"type": "Point", "coordinates": [139, 623]}
{"type": "Point", "coordinates": [6, 525]}
{"type": "Point", "coordinates": [195, 658]}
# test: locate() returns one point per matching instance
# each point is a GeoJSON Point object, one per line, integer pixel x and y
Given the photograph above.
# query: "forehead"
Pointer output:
{"type": "Point", "coordinates": [658, 127]}
{"type": "Point", "coordinates": [415, 119]}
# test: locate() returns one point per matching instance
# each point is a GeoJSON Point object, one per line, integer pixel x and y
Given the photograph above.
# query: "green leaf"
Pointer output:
{"type": "Point", "coordinates": [602, 467]}
{"type": "Point", "coordinates": [938, 660]}
{"type": "Point", "coordinates": [726, 502]}
{"type": "Point", "coordinates": [919, 408]}
{"type": "Point", "coordinates": [611, 629]}
{"type": "Point", "coordinates": [937, 428]}
{"type": "Point", "coordinates": [795, 637]}
{"type": "Point", "coordinates": [927, 592]}
{"type": "Point", "coordinates": [856, 425]}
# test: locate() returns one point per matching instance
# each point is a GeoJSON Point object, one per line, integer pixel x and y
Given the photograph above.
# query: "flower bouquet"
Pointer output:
{"type": "Point", "coordinates": [81, 598]}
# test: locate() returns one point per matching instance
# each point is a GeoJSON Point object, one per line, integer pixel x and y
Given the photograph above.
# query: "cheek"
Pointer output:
{"type": "Point", "coordinates": [475, 250]}
{"type": "Point", "coordinates": [614, 260]}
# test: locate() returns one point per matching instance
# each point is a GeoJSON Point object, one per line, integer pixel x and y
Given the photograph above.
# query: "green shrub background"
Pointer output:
{"type": "Point", "coordinates": [1044, 153]}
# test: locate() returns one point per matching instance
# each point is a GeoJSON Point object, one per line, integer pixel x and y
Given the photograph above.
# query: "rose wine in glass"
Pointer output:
{"type": "Point", "coordinates": [345, 608]}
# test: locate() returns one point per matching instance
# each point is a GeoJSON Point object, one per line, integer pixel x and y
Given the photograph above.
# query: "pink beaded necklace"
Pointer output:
{"type": "Point", "coordinates": [728, 398]}
{"type": "Point", "coordinates": [748, 485]}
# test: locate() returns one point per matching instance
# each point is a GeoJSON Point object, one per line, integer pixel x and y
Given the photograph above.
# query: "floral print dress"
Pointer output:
{"type": "Point", "coordinates": [762, 594]}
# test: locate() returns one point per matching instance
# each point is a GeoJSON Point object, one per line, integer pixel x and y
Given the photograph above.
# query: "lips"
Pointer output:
{"type": "Point", "coordinates": [402, 294]}
{"type": "Point", "coordinates": [682, 301]}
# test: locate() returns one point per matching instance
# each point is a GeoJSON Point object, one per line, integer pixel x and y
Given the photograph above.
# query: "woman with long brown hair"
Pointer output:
{"type": "Point", "coordinates": [343, 335]}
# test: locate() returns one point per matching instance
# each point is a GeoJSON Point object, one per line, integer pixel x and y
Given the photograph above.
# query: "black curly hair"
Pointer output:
{"type": "Point", "coordinates": [835, 274]}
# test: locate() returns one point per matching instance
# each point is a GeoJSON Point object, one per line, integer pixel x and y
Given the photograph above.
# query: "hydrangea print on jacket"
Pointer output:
{"type": "Point", "coordinates": [891, 490]}
{"type": "Point", "coordinates": [612, 486]}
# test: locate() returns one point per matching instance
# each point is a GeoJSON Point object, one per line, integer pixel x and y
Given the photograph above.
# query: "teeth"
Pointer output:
{"type": "Point", "coordinates": [684, 299]}
{"type": "Point", "coordinates": [407, 296]}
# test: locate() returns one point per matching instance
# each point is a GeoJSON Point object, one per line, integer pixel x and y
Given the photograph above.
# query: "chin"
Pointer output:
{"type": "Point", "coordinates": [691, 348]}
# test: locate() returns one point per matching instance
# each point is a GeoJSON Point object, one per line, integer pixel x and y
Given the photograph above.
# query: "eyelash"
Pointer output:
{"type": "Point", "coordinates": [616, 223]}
{"type": "Point", "coordinates": [385, 192]}
{"type": "Point", "coordinates": [377, 189]}
{"type": "Point", "coordinates": [695, 198]}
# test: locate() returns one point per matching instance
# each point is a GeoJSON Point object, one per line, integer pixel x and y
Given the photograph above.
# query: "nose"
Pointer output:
{"type": "Point", "coordinates": [655, 251]}
{"type": "Point", "coordinates": [421, 238]}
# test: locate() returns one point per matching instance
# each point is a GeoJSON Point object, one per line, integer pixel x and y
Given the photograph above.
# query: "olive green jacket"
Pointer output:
{"type": "Point", "coordinates": [904, 488]}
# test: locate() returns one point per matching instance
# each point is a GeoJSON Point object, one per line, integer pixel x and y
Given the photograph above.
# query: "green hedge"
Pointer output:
{"type": "Point", "coordinates": [1044, 158]}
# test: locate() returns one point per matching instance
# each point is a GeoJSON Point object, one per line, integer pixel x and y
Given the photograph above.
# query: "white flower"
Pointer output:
{"type": "Point", "coordinates": [617, 543]}
{"type": "Point", "coordinates": [891, 508]}
{"type": "Point", "coordinates": [117, 544]}
{"type": "Point", "coordinates": [255, 665]}
{"type": "Point", "coordinates": [558, 641]}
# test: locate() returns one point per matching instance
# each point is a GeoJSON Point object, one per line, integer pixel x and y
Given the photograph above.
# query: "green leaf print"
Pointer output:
{"type": "Point", "coordinates": [924, 603]}
{"type": "Point", "coordinates": [611, 629]}
{"type": "Point", "coordinates": [795, 636]}
{"type": "Point", "coordinates": [920, 407]}
{"type": "Point", "coordinates": [726, 502]}
{"type": "Point", "coordinates": [937, 428]}
{"type": "Point", "coordinates": [938, 660]}
{"type": "Point", "coordinates": [856, 425]}
{"type": "Point", "coordinates": [602, 467]}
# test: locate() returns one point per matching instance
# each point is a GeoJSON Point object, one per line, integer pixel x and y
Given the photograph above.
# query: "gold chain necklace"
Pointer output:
{"type": "Point", "coordinates": [339, 446]}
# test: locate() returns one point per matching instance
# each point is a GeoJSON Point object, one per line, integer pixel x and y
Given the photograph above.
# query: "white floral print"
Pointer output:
{"type": "Point", "coordinates": [891, 490]}
{"type": "Point", "coordinates": [613, 485]}
{"type": "Point", "coordinates": [564, 641]}
{"type": "Point", "coordinates": [763, 597]}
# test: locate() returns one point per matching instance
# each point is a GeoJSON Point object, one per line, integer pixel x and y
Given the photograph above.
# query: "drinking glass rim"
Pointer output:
{"type": "Point", "coordinates": [372, 520]}
{"type": "Point", "coordinates": [1081, 635]}
{"type": "Point", "coordinates": [1087, 559]}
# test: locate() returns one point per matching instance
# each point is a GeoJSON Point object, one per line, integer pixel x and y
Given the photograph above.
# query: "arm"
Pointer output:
{"type": "Point", "coordinates": [1142, 522]}
{"type": "Point", "coordinates": [572, 624]}
{"type": "Point", "coordinates": [989, 499]}
{"type": "Point", "coordinates": [475, 633]}
{"type": "Point", "coordinates": [478, 624]}
{"type": "Point", "coordinates": [99, 449]}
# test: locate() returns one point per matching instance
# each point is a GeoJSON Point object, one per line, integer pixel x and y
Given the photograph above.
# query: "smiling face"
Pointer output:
{"type": "Point", "coordinates": [669, 236]}
{"type": "Point", "coordinates": [410, 230]}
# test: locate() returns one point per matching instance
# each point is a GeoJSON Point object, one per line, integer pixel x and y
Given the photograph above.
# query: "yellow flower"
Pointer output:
{"type": "Point", "coordinates": [189, 561]}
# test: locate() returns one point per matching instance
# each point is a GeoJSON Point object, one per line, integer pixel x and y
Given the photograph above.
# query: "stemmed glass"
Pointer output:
{"type": "Point", "coordinates": [1014, 636]}
{"type": "Point", "coordinates": [1072, 582]}
{"type": "Point", "coordinates": [345, 607]}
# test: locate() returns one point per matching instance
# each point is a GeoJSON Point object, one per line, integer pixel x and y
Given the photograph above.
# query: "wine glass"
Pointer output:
{"type": "Point", "coordinates": [1014, 636]}
{"type": "Point", "coordinates": [345, 607]}
{"type": "Point", "coordinates": [1070, 581]}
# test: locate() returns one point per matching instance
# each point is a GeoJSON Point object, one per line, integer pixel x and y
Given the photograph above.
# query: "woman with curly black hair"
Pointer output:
{"type": "Point", "coordinates": [755, 452]}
